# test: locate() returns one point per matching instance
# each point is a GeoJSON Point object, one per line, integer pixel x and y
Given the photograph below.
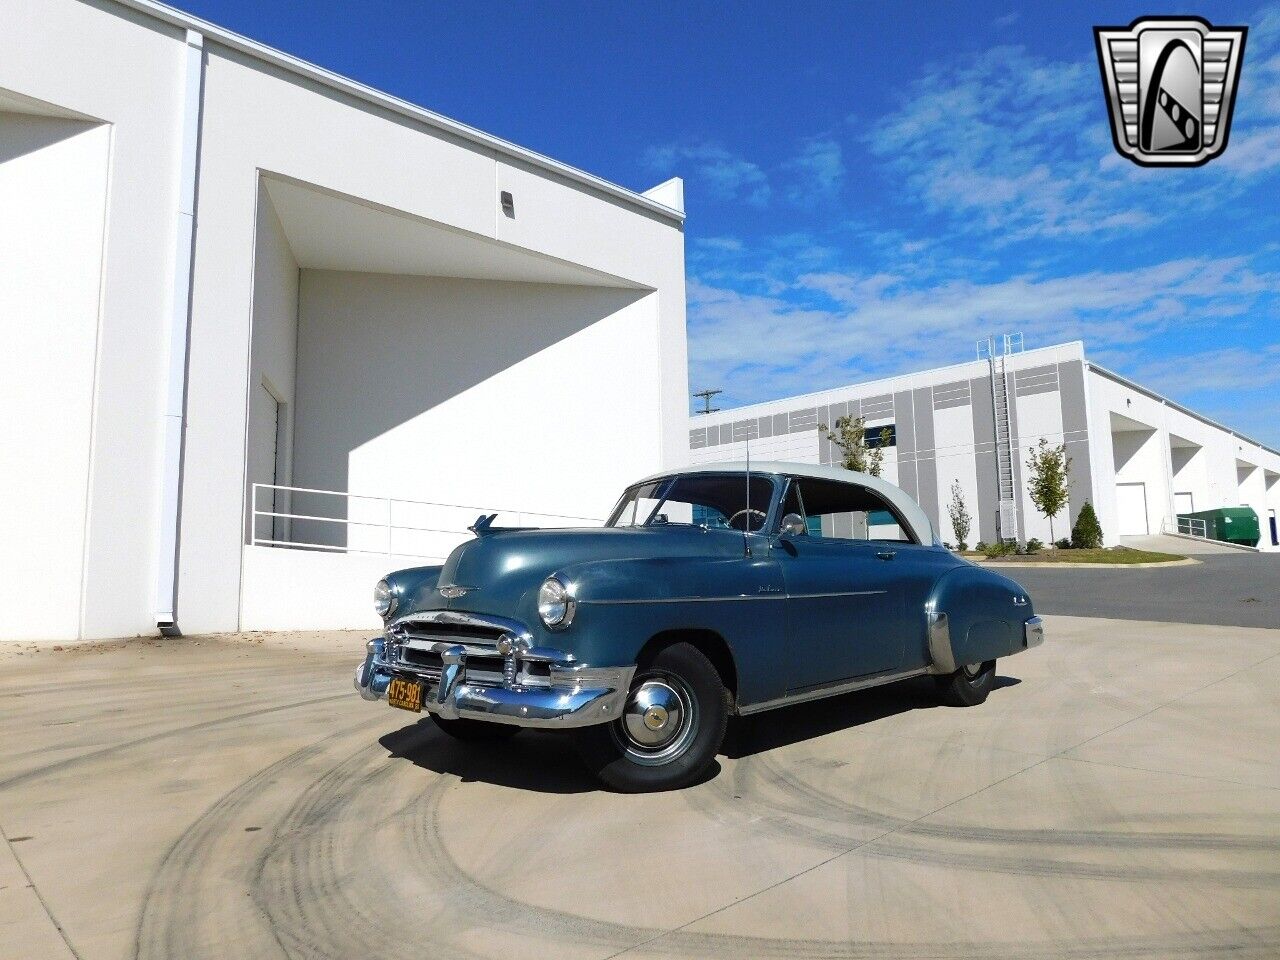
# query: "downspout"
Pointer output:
{"type": "Point", "coordinates": [174, 419]}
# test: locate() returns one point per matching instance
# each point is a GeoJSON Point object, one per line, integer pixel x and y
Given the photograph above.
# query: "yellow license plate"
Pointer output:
{"type": "Point", "coordinates": [405, 694]}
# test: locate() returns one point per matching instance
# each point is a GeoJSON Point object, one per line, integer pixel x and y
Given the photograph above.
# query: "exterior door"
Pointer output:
{"type": "Point", "coordinates": [264, 428]}
{"type": "Point", "coordinates": [1131, 509]}
{"type": "Point", "coordinates": [845, 610]}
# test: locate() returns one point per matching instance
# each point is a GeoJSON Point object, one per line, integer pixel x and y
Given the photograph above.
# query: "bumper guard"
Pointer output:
{"type": "Point", "coordinates": [577, 695]}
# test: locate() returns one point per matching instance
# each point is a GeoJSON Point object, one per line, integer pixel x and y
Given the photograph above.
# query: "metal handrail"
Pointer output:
{"type": "Point", "coordinates": [1193, 527]}
{"type": "Point", "coordinates": [274, 540]}
{"type": "Point", "coordinates": [421, 503]}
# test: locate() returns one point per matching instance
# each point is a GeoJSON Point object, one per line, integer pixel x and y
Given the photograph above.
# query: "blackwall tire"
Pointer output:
{"type": "Point", "coordinates": [640, 753]}
{"type": "Point", "coordinates": [968, 686]}
{"type": "Point", "coordinates": [475, 730]}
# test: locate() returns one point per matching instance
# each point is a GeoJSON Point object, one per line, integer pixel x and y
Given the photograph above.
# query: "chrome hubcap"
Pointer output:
{"type": "Point", "coordinates": [659, 722]}
{"type": "Point", "coordinates": [653, 714]}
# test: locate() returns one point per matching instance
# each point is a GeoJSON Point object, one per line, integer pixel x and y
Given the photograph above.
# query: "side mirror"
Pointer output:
{"type": "Point", "coordinates": [793, 525]}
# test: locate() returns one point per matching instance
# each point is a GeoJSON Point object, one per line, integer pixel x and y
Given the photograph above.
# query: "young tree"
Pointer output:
{"type": "Point", "coordinates": [959, 513]}
{"type": "Point", "coordinates": [1087, 533]}
{"type": "Point", "coordinates": [1047, 482]}
{"type": "Point", "coordinates": [850, 435]}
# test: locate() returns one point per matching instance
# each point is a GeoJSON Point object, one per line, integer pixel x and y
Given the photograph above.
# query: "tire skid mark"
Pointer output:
{"type": "Point", "coordinates": [61, 765]}
{"type": "Point", "coordinates": [190, 882]}
{"type": "Point", "coordinates": [304, 880]}
{"type": "Point", "coordinates": [792, 808]}
{"type": "Point", "coordinates": [356, 862]}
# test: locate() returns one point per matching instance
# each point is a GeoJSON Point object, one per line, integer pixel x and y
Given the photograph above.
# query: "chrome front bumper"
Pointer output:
{"type": "Point", "coordinates": [574, 696]}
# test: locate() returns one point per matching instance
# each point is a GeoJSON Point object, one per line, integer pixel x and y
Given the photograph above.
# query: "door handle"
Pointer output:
{"type": "Point", "coordinates": [886, 554]}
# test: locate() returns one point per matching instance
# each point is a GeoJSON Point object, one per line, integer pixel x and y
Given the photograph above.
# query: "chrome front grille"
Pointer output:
{"type": "Point", "coordinates": [464, 633]}
{"type": "Point", "coordinates": [484, 665]}
{"type": "Point", "coordinates": [415, 645]}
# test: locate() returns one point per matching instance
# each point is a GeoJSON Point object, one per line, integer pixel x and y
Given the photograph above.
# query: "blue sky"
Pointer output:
{"type": "Point", "coordinates": [871, 188]}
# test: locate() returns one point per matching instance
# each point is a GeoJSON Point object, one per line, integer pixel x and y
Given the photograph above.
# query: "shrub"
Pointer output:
{"type": "Point", "coordinates": [1001, 548]}
{"type": "Point", "coordinates": [947, 545]}
{"type": "Point", "coordinates": [981, 546]}
{"type": "Point", "coordinates": [1063, 544]}
{"type": "Point", "coordinates": [962, 546]}
{"type": "Point", "coordinates": [1034, 545]}
{"type": "Point", "coordinates": [1087, 532]}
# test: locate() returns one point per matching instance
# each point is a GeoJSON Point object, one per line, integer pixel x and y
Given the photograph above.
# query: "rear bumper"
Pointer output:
{"type": "Point", "coordinates": [1032, 633]}
{"type": "Point", "coordinates": [577, 695]}
{"type": "Point", "coordinates": [944, 657]}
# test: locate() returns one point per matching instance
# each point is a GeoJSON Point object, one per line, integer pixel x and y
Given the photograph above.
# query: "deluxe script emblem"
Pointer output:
{"type": "Point", "coordinates": [1170, 85]}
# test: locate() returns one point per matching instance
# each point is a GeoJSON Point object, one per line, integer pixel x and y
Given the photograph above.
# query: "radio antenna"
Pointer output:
{"type": "Point", "coordinates": [746, 525]}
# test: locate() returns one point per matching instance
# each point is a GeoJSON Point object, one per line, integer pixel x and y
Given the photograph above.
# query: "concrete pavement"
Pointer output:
{"type": "Point", "coordinates": [1117, 796]}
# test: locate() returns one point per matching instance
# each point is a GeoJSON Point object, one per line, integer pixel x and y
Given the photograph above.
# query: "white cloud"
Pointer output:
{"type": "Point", "coordinates": [1227, 368]}
{"type": "Point", "coordinates": [723, 174]}
{"type": "Point", "coordinates": [817, 171]}
{"type": "Point", "coordinates": [832, 328]}
{"type": "Point", "coordinates": [1015, 146]}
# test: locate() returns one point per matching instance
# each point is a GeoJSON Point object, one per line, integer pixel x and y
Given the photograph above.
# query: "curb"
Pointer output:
{"type": "Point", "coordinates": [1015, 564]}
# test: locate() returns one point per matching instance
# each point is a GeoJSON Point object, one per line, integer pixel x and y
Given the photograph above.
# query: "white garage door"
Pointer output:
{"type": "Point", "coordinates": [1131, 506]}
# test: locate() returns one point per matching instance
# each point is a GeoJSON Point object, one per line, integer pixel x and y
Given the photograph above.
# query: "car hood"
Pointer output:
{"type": "Point", "coordinates": [503, 570]}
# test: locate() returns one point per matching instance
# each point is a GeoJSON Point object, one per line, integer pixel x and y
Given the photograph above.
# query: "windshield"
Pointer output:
{"type": "Point", "coordinates": [714, 500]}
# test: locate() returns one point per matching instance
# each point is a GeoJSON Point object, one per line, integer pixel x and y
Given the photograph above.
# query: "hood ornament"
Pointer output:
{"type": "Point", "coordinates": [482, 524]}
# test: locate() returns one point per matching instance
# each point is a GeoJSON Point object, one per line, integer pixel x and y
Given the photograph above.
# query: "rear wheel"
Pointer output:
{"type": "Point", "coordinates": [473, 730]}
{"type": "Point", "coordinates": [671, 728]}
{"type": "Point", "coordinates": [969, 685]}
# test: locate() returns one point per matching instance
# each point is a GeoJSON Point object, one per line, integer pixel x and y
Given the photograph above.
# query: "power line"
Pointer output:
{"type": "Point", "coordinates": [706, 396]}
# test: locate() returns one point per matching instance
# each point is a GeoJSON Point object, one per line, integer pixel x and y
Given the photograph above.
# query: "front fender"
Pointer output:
{"type": "Point", "coordinates": [414, 588]}
{"type": "Point", "coordinates": [976, 615]}
{"type": "Point", "coordinates": [622, 604]}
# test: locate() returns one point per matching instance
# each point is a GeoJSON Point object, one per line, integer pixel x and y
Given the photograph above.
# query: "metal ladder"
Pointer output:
{"type": "Point", "coordinates": [1007, 518]}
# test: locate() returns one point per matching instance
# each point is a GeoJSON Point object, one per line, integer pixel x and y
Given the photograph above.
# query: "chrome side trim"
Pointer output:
{"type": "Point", "coordinates": [1033, 633]}
{"type": "Point", "coordinates": [940, 650]}
{"type": "Point", "coordinates": [841, 593]}
{"type": "Point", "coordinates": [803, 696]}
{"type": "Point", "coordinates": [766, 596]}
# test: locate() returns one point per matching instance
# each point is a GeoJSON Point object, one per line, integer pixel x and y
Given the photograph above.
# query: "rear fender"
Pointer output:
{"type": "Point", "coordinates": [975, 615]}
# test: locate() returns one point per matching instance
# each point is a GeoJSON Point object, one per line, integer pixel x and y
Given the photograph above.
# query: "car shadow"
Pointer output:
{"type": "Point", "coordinates": [805, 721]}
{"type": "Point", "coordinates": [532, 760]}
{"type": "Point", "coordinates": [545, 761]}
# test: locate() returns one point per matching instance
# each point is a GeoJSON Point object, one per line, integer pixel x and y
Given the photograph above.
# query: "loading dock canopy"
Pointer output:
{"type": "Point", "coordinates": [332, 231]}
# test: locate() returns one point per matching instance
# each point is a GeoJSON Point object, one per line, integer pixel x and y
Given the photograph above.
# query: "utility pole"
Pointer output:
{"type": "Point", "coordinates": [706, 396]}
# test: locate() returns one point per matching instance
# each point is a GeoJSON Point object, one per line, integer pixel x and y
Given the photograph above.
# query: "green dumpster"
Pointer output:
{"type": "Point", "coordinates": [1231, 524]}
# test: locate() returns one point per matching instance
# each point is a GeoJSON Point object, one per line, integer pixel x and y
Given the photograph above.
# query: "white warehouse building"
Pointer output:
{"type": "Point", "coordinates": [248, 303]}
{"type": "Point", "coordinates": [1141, 458]}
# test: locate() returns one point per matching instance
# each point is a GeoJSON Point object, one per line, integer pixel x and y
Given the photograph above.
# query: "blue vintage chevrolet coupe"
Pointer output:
{"type": "Point", "coordinates": [710, 591]}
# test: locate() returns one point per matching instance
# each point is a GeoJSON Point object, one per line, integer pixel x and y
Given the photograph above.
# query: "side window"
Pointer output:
{"type": "Point", "coordinates": [845, 511]}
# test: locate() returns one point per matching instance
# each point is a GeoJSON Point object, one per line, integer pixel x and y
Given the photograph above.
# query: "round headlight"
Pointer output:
{"type": "Point", "coordinates": [384, 600]}
{"type": "Point", "coordinates": [555, 606]}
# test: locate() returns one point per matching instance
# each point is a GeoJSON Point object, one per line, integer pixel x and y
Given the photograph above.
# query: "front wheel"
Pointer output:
{"type": "Point", "coordinates": [671, 727]}
{"type": "Point", "coordinates": [969, 685]}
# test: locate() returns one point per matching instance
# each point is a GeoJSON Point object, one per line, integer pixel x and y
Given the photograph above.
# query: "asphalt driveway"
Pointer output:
{"type": "Point", "coordinates": [1231, 589]}
{"type": "Point", "coordinates": [1117, 796]}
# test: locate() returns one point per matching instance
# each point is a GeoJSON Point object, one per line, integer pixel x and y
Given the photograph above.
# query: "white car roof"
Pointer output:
{"type": "Point", "coordinates": [906, 507]}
